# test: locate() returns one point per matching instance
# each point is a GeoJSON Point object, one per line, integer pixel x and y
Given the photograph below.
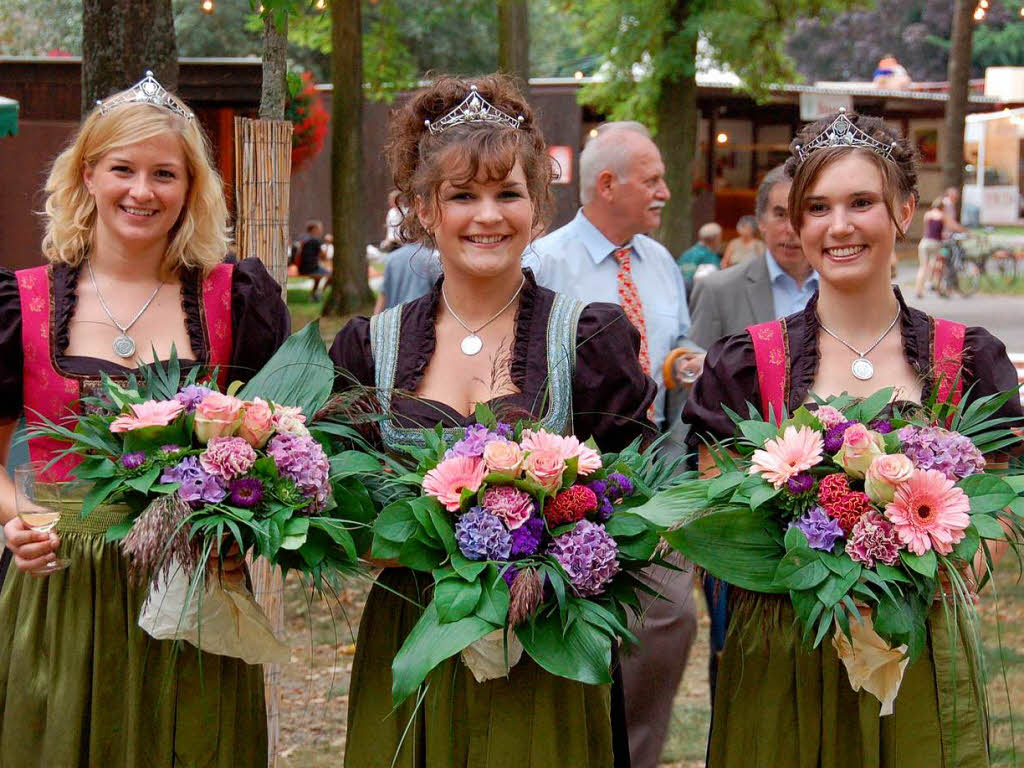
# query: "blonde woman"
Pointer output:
{"type": "Point", "coordinates": [136, 234]}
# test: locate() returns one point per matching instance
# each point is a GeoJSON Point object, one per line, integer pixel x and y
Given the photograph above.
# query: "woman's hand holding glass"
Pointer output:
{"type": "Point", "coordinates": [29, 535]}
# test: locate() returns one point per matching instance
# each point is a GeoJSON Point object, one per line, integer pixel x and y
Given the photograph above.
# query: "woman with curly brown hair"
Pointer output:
{"type": "Point", "coordinates": [470, 159]}
{"type": "Point", "coordinates": [778, 702]}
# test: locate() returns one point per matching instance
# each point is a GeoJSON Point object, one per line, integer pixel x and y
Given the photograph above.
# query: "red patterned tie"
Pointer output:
{"type": "Point", "coordinates": [631, 304]}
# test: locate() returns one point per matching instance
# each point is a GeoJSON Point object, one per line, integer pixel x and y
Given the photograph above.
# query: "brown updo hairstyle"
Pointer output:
{"type": "Point", "coordinates": [421, 161]}
{"type": "Point", "coordinates": [898, 171]}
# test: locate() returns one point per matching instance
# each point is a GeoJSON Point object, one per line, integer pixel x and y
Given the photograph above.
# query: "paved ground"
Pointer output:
{"type": "Point", "coordinates": [1002, 315]}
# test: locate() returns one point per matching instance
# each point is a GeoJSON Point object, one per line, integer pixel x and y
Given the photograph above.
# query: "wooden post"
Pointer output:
{"type": "Point", "coordinates": [263, 164]}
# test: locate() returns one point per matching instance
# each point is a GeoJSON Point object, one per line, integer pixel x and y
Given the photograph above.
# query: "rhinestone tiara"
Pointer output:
{"type": "Point", "coordinates": [473, 109]}
{"type": "Point", "coordinates": [146, 91]}
{"type": "Point", "coordinates": [841, 132]}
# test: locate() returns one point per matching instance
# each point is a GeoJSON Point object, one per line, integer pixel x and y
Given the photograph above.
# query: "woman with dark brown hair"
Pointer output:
{"type": "Point", "coordinates": [778, 702]}
{"type": "Point", "coordinates": [470, 159]}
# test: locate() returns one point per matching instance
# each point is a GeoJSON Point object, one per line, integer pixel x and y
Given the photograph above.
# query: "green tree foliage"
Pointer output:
{"type": "Point", "coordinates": [650, 63]}
{"type": "Point", "coordinates": [26, 29]}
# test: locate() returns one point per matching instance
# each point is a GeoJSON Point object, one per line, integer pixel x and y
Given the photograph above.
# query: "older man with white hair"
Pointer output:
{"type": "Point", "coordinates": [604, 254]}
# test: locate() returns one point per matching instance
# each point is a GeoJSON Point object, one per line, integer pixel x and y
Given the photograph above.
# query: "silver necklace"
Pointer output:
{"type": "Point", "coordinates": [471, 344]}
{"type": "Point", "coordinates": [862, 368]}
{"type": "Point", "coordinates": [124, 345]}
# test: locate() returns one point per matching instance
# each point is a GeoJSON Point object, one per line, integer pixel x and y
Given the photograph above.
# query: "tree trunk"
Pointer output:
{"type": "Point", "coordinates": [275, 87]}
{"type": "Point", "coordinates": [350, 290]}
{"type": "Point", "coordinates": [514, 39]}
{"type": "Point", "coordinates": [121, 39]}
{"type": "Point", "coordinates": [677, 123]}
{"type": "Point", "coordinates": [959, 73]}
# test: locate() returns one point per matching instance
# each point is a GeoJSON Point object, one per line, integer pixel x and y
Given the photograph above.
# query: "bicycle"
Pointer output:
{"type": "Point", "coordinates": [956, 270]}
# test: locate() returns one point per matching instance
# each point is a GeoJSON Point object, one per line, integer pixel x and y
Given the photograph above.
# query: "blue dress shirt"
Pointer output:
{"type": "Point", "coordinates": [787, 296]}
{"type": "Point", "coordinates": [577, 260]}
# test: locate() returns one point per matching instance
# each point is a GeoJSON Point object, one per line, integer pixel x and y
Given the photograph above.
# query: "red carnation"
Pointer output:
{"type": "Point", "coordinates": [838, 501]}
{"type": "Point", "coordinates": [570, 505]}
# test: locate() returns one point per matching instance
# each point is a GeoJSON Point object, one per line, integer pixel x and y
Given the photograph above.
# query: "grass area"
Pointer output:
{"type": "Point", "coordinates": [304, 311]}
{"type": "Point", "coordinates": [990, 284]}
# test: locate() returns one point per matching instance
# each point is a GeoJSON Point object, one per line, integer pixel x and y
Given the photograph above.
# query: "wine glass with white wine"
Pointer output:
{"type": "Point", "coordinates": [39, 502]}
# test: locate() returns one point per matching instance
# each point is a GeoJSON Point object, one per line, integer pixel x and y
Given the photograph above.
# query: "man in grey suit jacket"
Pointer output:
{"type": "Point", "coordinates": [772, 286]}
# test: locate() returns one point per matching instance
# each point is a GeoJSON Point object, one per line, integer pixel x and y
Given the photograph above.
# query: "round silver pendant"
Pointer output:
{"type": "Point", "coordinates": [124, 346]}
{"type": "Point", "coordinates": [862, 368]}
{"type": "Point", "coordinates": [471, 344]}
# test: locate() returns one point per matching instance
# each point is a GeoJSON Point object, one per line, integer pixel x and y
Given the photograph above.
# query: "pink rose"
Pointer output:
{"type": "Point", "coordinates": [217, 415]}
{"type": "Point", "coordinates": [588, 460]}
{"type": "Point", "coordinates": [541, 440]}
{"type": "Point", "coordinates": [503, 456]}
{"type": "Point", "coordinates": [829, 416]}
{"type": "Point", "coordinates": [861, 446]}
{"type": "Point", "coordinates": [568, 447]}
{"type": "Point", "coordinates": [257, 423]}
{"type": "Point", "coordinates": [289, 419]}
{"type": "Point", "coordinates": [153, 413]}
{"type": "Point", "coordinates": [885, 475]}
{"type": "Point", "coordinates": [545, 467]}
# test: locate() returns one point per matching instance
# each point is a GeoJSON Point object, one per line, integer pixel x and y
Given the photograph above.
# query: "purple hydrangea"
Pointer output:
{"type": "Point", "coordinates": [801, 483]}
{"type": "Point", "coordinates": [588, 555]}
{"type": "Point", "coordinates": [133, 460]}
{"type": "Point", "coordinates": [302, 460]}
{"type": "Point", "coordinates": [198, 486]}
{"type": "Point", "coordinates": [473, 442]}
{"type": "Point", "coordinates": [192, 395]}
{"type": "Point", "coordinates": [834, 436]}
{"type": "Point", "coordinates": [482, 536]}
{"type": "Point", "coordinates": [526, 538]}
{"type": "Point", "coordinates": [246, 492]}
{"type": "Point", "coordinates": [881, 426]}
{"type": "Point", "coordinates": [503, 430]}
{"type": "Point", "coordinates": [953, 454]}
{"type": "Point", "coordinates": [820, 529]}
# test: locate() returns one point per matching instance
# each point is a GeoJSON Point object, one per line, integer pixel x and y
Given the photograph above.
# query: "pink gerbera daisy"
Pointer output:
{"type": "Point", "coordinates": [796, 451]}
{"type": "Point", "coordinates": [447, 479]}
{"type": "Point", "coordinates": [153, 413]}
{"type": "Point", "coordinates": [929, 512]}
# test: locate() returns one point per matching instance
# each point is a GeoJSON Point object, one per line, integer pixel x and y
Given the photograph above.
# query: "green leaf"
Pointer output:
{"type": "Point", "coordinates": [723, 484]}
{"type": "Point", "coordinates": [890, 574]}
{"type": "Point", "coordinates": [295, 532]}
{"type": "Point", "coordinates": [485, 416]}
{"type": "Point", "coordinates": [442, 524]}
{"type": "Point", "coordinates": [98, 494]}
{"type": "Point", "coordinates": [95, 469]}
{"type": "Point", "coordinates": [758, 432]}
{"type": "Point", "coordinates": [801, 418]}
{"type": "Point", "coordinates": [679, 504]}
{"type": "Point", "coordinates": [869, 408]}
{"type": "Point", "coordinates": [800, 569]}
{"type": "Point", "coordinates": [455, 598]}
{"type": "Point", "coordinates": [338, 534]}
{"type": "Point", "coordinates": [987, 527]}
{"type": "Point", "coordinates": [735, 545]}
{"type": "Point", "coordinates": [926, 565]}
{"type": "Point", "coordinates": [580, 651]}
{"type": "Point", "coordinates": [353, 463]}
{"type": "Point", "coordinates": [299, 374]}
{"type": "Point", "coordinates": [466, 568]}
{"type": "Point", "coordinates": [795, 539]}
{"type": "Point", "coordinates": [988, 493]}
{"type": "Point", "coordinates": [420, 556]}
{"type": "Point", "coordinates": [762, 494]}
{"type": "Point", "coordinates": [836, 587]}
{"type": "Point", "coordinates": [494, 598]}
{"type": "Point", "coordinates": [396, 522]}
{"type": "Point", "coordinates": [626, 524]}
{"type": "Point", "coordinates": [145, 481]}
{"type": "Point", "coordinates": [893, 617]}
{"type": "Point", "coordinates": [430, 643]}
{"type": "Point", "coordinates": [118, 531]}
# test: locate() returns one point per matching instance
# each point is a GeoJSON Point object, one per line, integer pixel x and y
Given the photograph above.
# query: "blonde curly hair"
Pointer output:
{"type": "Point", "coordinates": [200, 237]}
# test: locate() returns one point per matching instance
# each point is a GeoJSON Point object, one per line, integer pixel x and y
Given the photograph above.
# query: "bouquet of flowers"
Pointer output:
{"type": "Point", "coordinates": [854, 516]}
{"type": "Point", "coordinates": [532, 544]}
{"type": "Point", "coordinates": [199, 470]}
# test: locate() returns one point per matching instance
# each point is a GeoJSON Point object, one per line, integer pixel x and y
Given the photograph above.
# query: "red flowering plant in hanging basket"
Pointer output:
{"type": "Point", "coordinates": [305, 109]}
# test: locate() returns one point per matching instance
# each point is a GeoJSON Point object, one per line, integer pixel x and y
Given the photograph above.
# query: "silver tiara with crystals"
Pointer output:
{"type": "Point", "coordinates": [473, 109]}
{"type": "Point", "coordinates": [841, 132]}
{"type": "Point", "coordinates": [146, 91]}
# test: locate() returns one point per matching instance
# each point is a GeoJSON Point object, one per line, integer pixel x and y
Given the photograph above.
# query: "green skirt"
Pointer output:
{"type": "Point", "coordinates": [532, 719]}
{"type": "Point", "coordinates": [82, 685]}
{"type": "Point", "coordinates": [779, 704]}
